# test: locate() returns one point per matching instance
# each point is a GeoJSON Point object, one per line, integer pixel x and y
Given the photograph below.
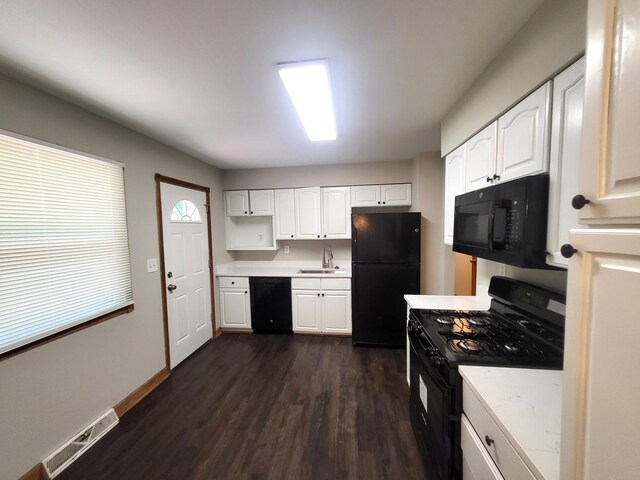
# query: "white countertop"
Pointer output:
{"type": "Point", "coordinates": [526, 405]}
{"type": "Point", "coordinates": [278, 269]}
{"type": "Point", "coordinates": [448, 302]}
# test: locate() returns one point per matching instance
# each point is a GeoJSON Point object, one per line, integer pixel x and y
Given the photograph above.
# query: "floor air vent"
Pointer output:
{"type": "Point", "coordinates": [67, 454]}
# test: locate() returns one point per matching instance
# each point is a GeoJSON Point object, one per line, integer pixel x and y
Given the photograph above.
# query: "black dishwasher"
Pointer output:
{"type": "Point", "coordinates": [271, 304]}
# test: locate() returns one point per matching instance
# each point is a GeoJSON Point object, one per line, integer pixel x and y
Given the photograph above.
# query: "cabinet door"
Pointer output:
{"type": "Point", "coordinates": [285, 214]}
{"type": "Point", "coordinates": [308, 217]}
{"type": "Point", "coordinates": [601, 385]}
{"type": "Point", "coordinates": [336, 212]}
{"type": "Point", "coordinates": [306, 310]}
{"type": "Point", "coordinates": [261, 202]}
{"type": "Point", "coordinates": [235, 307]}
{"type": "Point", "coordinates": [399, 195]}
{"type": "Point", "coordinates": [365, 196]}
{"type": "Point", "coordinates": [564, 161]}
{"type": "Point", "coordinates": [336, 311]}
{"type": "Point", "coordinates": [610, 178]}
{"type": "Point", "coordinates": [453, 186]}
{"type": "Point", "coordinates": [236, 203]}
{"type": "Point", "coordinates": [523, 134]}
{"type": "Point", "coordinates": [480, 162]}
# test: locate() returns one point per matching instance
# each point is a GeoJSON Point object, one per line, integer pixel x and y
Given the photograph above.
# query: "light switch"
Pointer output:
{"type": "Point", "coordinates": [152, 265]}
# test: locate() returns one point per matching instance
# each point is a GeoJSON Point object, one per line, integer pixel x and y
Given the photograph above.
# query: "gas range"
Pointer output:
{"type": "Point", "coordinates": [489, 337]}
{"type": "Point", "coordinates": [523, 328]}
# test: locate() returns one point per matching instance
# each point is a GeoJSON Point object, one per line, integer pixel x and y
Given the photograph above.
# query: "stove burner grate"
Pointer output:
{"type": "Point", "coordinates": [471, 346]}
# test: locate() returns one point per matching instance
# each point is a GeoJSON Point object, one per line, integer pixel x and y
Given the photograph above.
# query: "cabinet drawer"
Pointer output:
{"type": "Point", "coordinates": [476, 462]}
{"type": "Point", "coordinates": [503, 454]}
{"type": "Point", "coordinates": [306, 283]}
{"type": "Point", "coordinates": [336, 283]}
{"type": "Point", "coordinates": [239, 282]}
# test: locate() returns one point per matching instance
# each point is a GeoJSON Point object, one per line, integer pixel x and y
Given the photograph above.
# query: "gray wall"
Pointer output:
{"type": "Point", "coordinates": [436, 268]}
{"type": "Point", "coordinates": [549, 41]}
{"type": "Point", "coordinates": [52, 391]}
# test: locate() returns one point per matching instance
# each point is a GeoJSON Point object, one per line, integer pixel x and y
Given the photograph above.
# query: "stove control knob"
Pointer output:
{"type": "Point", "coordinates": [431, 351]}
{"type": "Point", "coordinates": [437, 361]}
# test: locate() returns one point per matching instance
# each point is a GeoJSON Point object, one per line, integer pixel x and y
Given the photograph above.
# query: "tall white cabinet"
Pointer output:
{"type": "Point", "coordinates": [601, 386]}
{"type": "Point", "coordinates": [564, 168]}
{"type": "Point", "coordinates": [336, 212]}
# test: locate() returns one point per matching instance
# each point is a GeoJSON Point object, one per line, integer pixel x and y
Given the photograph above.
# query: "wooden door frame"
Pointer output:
{"type": "Point", "coordinates": [165, 314]}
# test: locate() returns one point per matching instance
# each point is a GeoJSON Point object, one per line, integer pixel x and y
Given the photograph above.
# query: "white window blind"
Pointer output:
{"type": "Point", "coordinates": [64, 254]}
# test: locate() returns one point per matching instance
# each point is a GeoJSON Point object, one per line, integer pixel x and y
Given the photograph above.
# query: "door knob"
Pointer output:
{"type": "Point", "coordinates": [578, 202]}
{"type": "Point", "coordinates": [567, 250]}
{"type": "Point", "coordinates": [171, 287]}
{"type": "Point", "coordinates": [170, 274]}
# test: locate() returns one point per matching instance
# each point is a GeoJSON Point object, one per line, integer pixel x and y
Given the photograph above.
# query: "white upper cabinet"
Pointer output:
{"type": "Point", "coordinates": [381, 195]}
{"type": "Point", "coordinates": [241, 203]}
{"type": "Point", "coordinates": [480, 162]}
{"type": "Point", "coordinates": [454, 179]}
{"type": "Point", "coordinates": [365, 196]}
{"type": "Point", "coordinates": [336, 212]}
{"type": "Point", "coordinates": [285, 214]}
{"type": "Point", "coordinates": [522, 137]}
{"type": "Point", "coordinates": [308, 213]}
{"type": "Point", "coordinates": [236, 203]}
{"type": "Point", "coordinates": [564, 159]}
{"type": "Point", "coordinates": [261, 202]}
{"type": "Point", "coordinates": [396, 195]}
{"type": "Point", "coordinates": [610, 177]}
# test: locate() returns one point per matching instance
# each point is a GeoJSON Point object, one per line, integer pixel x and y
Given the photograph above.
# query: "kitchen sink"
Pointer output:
{"type": "Point", "coordinates": [321, 271]}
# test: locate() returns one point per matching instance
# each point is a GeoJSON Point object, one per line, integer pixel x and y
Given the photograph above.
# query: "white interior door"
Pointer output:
{"type": "Point", "coordinates": [186, 260]}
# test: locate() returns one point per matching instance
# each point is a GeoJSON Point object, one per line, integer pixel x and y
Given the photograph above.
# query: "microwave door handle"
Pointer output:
{"type": "Point", "coordinates": [492, 218]}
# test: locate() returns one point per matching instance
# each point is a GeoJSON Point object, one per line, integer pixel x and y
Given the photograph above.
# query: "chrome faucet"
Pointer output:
{"type": "Point", "coordinates": [327, 261]}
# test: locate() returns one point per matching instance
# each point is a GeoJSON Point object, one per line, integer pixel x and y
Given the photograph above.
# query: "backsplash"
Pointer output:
{"type": "Point", "coordinates": [301, 250]}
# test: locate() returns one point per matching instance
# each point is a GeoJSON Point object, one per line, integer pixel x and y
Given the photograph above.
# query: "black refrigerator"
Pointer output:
{"type": "Point", "coordinates": [385, 262]}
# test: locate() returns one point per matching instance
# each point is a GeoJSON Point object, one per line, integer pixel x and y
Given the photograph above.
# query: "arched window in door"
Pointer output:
{"type": "Point", "coordinates": [185, 211]}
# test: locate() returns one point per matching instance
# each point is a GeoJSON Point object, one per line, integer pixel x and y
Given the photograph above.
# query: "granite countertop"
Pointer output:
{"type": "Point", "coordinates": [279, 269]}
{"type": "Point", "coordinates": [448, 302]}
{"type": "Point", "coordinates": [526, 405]}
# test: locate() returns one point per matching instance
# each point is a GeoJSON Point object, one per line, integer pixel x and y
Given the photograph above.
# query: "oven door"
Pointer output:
{"type": "Point", "coordinates": [430, 411]}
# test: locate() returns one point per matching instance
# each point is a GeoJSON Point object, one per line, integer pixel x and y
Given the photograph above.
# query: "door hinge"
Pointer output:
{"type": "Point", "coordinates": [206, 207]}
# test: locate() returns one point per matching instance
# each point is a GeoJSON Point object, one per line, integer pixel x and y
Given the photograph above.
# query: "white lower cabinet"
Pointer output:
{"type": "Point", "coordinates": [499, 455]}
{"type": "Point", "coordinates": [476, 462]}
{"type": "Point", "coordinates": [307, 310]}
{"type": "Point", "coordinates": [321, 305]}
{"type": "Point", "coordinates": [235, 303]}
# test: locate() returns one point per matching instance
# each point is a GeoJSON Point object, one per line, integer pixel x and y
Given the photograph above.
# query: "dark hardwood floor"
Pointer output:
{"type": "Point", "coordinates": [267, 407]}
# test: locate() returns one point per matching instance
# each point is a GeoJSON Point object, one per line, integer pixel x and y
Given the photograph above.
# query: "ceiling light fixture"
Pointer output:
{"type": "Point", "coordinates": [309, 87]}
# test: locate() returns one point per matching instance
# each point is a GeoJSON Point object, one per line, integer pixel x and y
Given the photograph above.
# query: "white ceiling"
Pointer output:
{"type": "Point", "coordinates": [199, 75]}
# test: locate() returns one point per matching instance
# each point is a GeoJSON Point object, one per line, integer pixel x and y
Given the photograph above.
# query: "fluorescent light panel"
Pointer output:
{"type": "Point", "coordinates": [309, 87]}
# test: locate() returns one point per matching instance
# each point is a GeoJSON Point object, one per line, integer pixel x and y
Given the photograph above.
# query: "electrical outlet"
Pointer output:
{"type": "Point", "coordinates": [152, 265]}
{"type": "Point", "coordinates": [286, 249]}
{"type": "Point", "coordinates": [260, 236]}
{"type": "Point", "coordinates": [502, 270]}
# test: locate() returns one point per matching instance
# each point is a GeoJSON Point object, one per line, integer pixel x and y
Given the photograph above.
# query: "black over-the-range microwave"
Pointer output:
{"type": "Point", "coordinates": [506, 223]}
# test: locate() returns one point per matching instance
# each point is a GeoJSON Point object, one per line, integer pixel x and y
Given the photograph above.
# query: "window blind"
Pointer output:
{"type": "Point", "coordinates": [64, 254]}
